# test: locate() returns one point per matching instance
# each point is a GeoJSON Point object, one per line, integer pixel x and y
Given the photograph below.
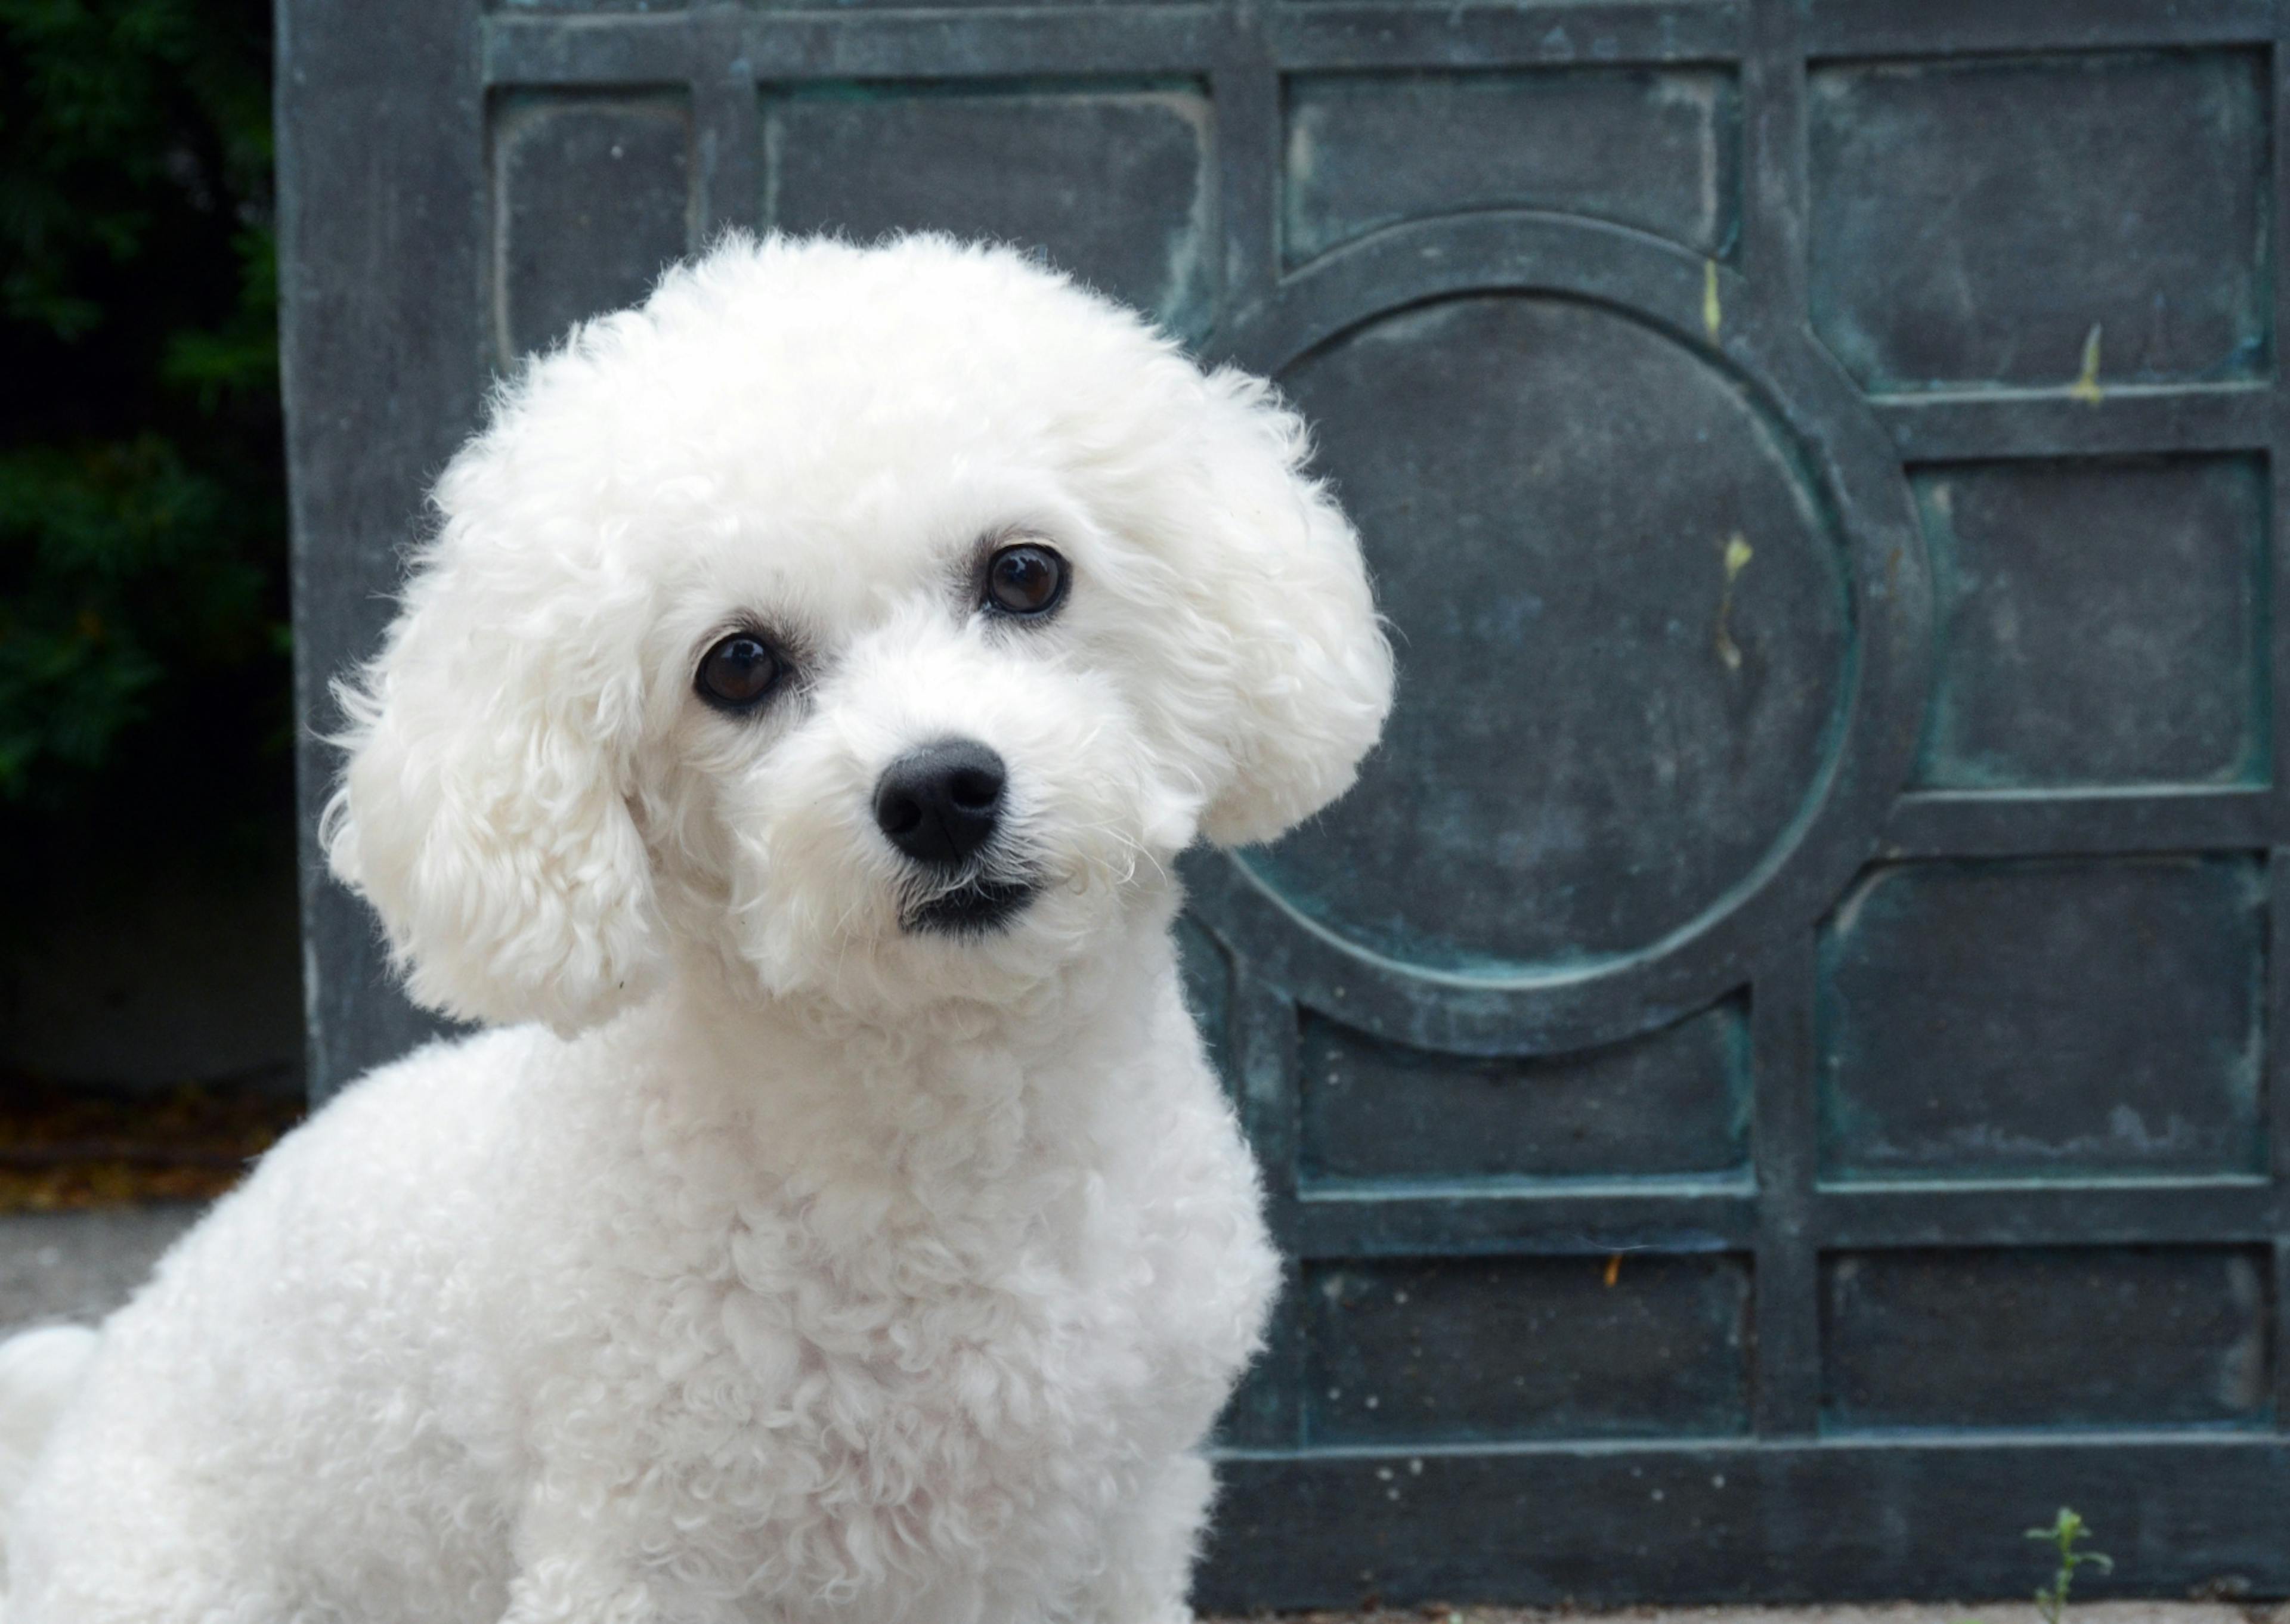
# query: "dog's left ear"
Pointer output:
{"type": "Point", "coordinates": [1311, 672]}
{"type": "Point", "coordinates": [483, 812]}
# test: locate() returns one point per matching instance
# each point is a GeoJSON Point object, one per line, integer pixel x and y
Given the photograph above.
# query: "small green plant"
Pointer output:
{"type": "Point", "coordinates": [2066, 1532]}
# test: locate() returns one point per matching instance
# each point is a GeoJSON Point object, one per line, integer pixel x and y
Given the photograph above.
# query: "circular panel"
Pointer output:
{"type": "Point", "coordinates": [1632, 762]}
{"type": "Point", "coordinates": [1623, 623]}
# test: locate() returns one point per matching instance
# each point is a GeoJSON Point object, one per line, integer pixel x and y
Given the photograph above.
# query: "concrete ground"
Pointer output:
{"type": "Point", "coordinates": [80, 1266]}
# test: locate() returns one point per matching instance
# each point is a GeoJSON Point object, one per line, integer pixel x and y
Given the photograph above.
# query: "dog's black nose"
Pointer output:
{"type": "Point", "coordinates": [939, 804]}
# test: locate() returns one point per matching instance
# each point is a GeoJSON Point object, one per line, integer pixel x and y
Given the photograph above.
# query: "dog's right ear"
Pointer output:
{"type": "Point", "coordinates": [483, 812]}
{"type": "Point", "coordinates": [1310, 669]}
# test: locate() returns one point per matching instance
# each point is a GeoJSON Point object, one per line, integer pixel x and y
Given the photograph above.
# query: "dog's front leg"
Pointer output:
{"type": "Point", "coordinates": [1149, 1545]}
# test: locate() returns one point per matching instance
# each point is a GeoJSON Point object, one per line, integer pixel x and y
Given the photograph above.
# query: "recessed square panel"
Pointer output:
{"type": "Point", "coordinates": [591, 202]}
{"type": "Point", "coordinates": [2041, 220]}
{"type": "Point", "coordinates": [2099, 623]}
{"type": "Point", "coordinates": [1654, 148]}
{"type": "Point", "coordinates": [1676, 1101]}
{"type": "Point", "coordinates": [1109, 182]}
{"type": "Point", "coordinates": [2067, 1019]}
{"type": "Point", "coordinates": [1425, 1350]}
{"type": "Point", "coordinates": [2053, 1337]}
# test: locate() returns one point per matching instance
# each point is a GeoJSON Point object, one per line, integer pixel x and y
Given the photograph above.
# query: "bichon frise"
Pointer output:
{"type": "Point", "coordinates": [784, 741]}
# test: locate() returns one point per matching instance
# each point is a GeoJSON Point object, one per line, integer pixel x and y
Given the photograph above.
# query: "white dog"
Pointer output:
{"type": "Point", "coordinates": [794, 721]}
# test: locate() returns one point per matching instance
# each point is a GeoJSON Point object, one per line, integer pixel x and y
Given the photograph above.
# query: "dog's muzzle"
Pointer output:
{"type": "Point", "coordinates": [940, 804]}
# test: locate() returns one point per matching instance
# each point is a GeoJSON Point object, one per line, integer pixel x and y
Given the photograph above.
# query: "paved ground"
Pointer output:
{"type": "Point", "coordinates": [80, 1266]}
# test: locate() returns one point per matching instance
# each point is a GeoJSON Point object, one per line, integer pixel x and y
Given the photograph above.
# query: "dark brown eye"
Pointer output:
{"type": "Point", "coordinates": [1025, 579]}
{"type": "Point", "coordinates": [738, 672]}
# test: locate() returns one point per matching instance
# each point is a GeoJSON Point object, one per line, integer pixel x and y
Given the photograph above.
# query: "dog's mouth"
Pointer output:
{"type": "Point", "coordinates": [975, 907]}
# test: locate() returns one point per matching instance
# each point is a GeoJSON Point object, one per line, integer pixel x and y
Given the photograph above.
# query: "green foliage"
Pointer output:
{"type": "Point", "coordinates": [2067, 1531]}
{"type": "Point", "coordinates": [142, 596]}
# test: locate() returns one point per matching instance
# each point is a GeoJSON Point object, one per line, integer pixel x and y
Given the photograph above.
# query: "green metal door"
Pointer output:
{"type": "Point", "coordinates": [1769, 1085]}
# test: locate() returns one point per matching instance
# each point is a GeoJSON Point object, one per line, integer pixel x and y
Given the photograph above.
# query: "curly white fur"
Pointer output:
{"type": "Point", "coordinates": [788, 1264]}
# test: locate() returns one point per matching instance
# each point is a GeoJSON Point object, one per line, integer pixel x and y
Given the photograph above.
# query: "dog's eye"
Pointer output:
{"type": "Point", "coordinates": [1025, 579]}
{"type": "Point", "coordinates": [738, 672]}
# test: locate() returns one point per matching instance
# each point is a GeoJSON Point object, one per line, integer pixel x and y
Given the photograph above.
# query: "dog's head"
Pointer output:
{"type": "Point", "coordinates": [881, 620]}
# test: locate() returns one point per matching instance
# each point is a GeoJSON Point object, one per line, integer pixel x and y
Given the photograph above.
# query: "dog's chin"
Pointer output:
{"type": "Point", "coordinates": [980, 906]}
{"type": "Point", "coordinates": [991, 933]}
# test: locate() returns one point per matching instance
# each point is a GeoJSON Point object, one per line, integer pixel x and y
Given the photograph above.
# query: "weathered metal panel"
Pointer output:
{"type": "Point", "coordinates": [1841, 1519]}
{"type": "Point", "coordinates": [1673, 1101]}
{"type": "Point", "coordinates": [1773, 1083]}
{"type": "Point", "coordinates": [2021, 221]}
{"type": "Point", "coordinates": [1994, 1339]}
{"type": "Point", "coordinates": [2000, 1020]}
{"type": "Point", "coordinates": [2100, 622]}
{"type": "Point", "coordinates": [1655, 149]}
{"type": "Point", "coordinates": [1461, 1349]}
{"type": "Point", "coordinates": [591, 195]}
{"type": "Point", "coordinates": [1112, 181]}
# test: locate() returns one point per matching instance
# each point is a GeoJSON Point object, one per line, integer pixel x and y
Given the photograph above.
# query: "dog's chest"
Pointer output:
{"type": "Point", "coordinates": [891, 1363]}
{"type": "Point", "coordinates": [992, 1319]}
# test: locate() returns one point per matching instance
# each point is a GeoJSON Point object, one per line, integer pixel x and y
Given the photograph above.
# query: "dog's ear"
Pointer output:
{"type": "Point", "coordinates": [1311, 672]}
{"type": "Point", "coordinates": [483, 812]}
